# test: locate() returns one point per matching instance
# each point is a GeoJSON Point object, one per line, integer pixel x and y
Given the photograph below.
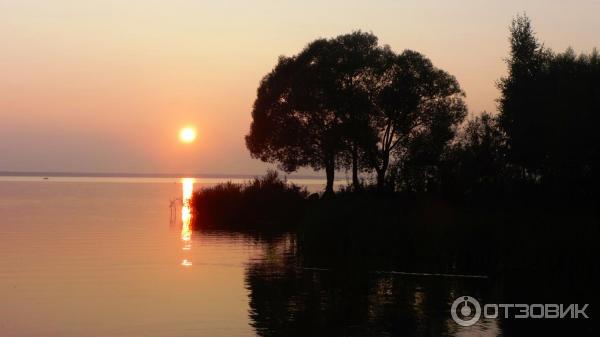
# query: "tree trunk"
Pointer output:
{"type": "Point", "coordinates": [381, 175]}
{"type": "Point", "coordinates": [355, 181]}
{"type": "Point", "coordinates": [329, 172]}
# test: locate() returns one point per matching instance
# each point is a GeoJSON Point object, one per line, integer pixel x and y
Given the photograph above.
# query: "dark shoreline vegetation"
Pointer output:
{"type": "Point", "coordinates": [266, 204]}
{"type": "Point", "coordinates": [512, 196]}
{"type": "Point", "coordinates": [412, 232]}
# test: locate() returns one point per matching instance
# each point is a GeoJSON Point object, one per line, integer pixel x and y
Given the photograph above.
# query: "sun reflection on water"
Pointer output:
{"type": "Point", "coordinates": [186, 217]}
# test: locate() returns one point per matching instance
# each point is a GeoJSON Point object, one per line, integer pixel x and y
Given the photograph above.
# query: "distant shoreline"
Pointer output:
{"type": "Point", "coordinates": [142, 175]}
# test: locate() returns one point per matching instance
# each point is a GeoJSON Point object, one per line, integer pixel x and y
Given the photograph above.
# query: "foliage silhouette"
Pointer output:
{"type": "Point", "coordinates": [549, 111]}
{"type": "Point", "coordinates": [476, 163]}
{"type": "Point", "coordinates": [306, 105]}
{"type": "Point", "coordinates": [415, 115]}
{"type": "Point", "coordinates": [349, 102]}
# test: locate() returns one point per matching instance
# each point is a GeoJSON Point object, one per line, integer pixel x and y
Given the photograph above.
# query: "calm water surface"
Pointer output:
{"type": "Point", "coordinates": [109, 257]}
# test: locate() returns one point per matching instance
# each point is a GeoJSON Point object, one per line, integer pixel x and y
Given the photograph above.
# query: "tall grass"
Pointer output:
{"type": "Point", "coordinates": [266, 203]}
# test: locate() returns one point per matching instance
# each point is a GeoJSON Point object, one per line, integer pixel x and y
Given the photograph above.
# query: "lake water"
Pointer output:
{"type": "Point", "coordinates": [110, 257]}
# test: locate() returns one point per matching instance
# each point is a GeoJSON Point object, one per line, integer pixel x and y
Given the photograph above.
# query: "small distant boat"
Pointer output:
{"type": "Point", "coordinates": [45, 178]}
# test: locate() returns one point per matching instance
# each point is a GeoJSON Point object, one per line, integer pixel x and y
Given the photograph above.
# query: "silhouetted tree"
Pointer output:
{"type": "Point", "coordinates": [357, 62]}
{"type": "Point", "coordinates": [310, 109]}
{"type": "Point", "coordinates": [516, 104]}
{"type": "Point", "coordinates": [549, 110]}
{"type": "Point", "coordinates": [476, 162]}
{"type": "Point", "coordinates": [417, 110]}
{"type": "Point", "coordinates": [347, 102]}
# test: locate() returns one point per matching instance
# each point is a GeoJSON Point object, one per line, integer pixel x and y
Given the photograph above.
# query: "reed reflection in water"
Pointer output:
{"type": "Point", "coordinates": [187, 186]}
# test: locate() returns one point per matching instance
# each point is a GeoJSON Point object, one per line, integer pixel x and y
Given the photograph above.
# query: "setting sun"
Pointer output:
{"type": "Point", "coordinates": [187, 135]}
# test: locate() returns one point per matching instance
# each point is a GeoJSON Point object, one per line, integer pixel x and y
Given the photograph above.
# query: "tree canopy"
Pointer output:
{"type": "Point", "coordinates": [348, 102]}
{"type": "Point", "coordinates": [549, 110]}
{"type": "Point", "coordinates": [417, 110]}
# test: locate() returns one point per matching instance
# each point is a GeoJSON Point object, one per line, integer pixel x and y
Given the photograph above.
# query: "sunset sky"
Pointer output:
{"type": "Point", "coordinates": [106, 86]}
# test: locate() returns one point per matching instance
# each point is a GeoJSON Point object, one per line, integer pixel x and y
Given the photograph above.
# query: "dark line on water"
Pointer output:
{"type": "Point", "coordinates": [393, 272]}
{"type": "Point", "coordinates": [431, 274]}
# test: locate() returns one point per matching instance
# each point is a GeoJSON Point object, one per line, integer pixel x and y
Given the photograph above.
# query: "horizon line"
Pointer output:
{"type": "Point", "coordinates": [88, 174]}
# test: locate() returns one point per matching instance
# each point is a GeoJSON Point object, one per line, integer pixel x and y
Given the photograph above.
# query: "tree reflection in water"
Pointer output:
{"type": "Point", "coordinates": [289, 299]}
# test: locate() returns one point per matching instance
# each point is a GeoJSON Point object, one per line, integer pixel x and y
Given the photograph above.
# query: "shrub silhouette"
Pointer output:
{"type": "Point", "coordinates": [264, 203]}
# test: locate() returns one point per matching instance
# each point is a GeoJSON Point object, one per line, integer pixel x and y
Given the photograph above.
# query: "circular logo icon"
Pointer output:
{"type": "Point", "coordinates": [465, 311]}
